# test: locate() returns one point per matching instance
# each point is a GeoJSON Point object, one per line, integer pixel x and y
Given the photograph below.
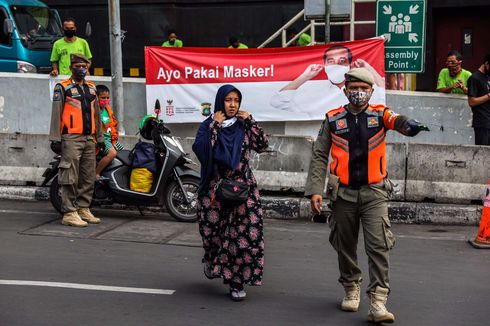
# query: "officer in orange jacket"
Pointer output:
{"type": "Point", "coordinates": [358, 188]}
{"type": "Point", "coordinates": [75, 130]}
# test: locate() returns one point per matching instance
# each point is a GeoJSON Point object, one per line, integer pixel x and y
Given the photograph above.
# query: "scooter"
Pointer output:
{"type": "Point", "coordinates": [175, 184]}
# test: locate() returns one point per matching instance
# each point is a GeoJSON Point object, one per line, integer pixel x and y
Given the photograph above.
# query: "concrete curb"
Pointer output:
{"type": "Point", "coordinates": [291, 208]}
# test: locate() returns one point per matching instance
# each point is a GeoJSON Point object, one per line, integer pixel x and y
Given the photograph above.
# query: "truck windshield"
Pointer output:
{"type": "Point", "coordinates": [36, 24]}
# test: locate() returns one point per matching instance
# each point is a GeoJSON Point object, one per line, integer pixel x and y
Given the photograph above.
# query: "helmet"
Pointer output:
{"type": "Point", "coordinates": [146, 126]}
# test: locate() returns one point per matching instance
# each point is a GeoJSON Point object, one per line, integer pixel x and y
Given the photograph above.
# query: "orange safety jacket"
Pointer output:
{"type": "Point", "coordinates": [112, 124]}
{"type": "Point", "coordinates": [78, 115]}
{"type": "Point", "coordinates": [358, 144]}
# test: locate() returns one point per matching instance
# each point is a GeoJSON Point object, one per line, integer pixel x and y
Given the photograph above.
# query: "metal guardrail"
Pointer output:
{"type": "Point", "coordinates": [313, 24]}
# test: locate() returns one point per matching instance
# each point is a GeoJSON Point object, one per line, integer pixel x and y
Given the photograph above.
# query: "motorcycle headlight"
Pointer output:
{"type": "Point", "coordinates": [26, 67]}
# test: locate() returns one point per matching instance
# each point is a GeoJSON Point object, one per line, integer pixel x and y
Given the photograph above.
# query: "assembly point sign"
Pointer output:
{"type": "Point", "coordinates": [278, 84]}
{"type": "Point", "coordinates": [402, 23]}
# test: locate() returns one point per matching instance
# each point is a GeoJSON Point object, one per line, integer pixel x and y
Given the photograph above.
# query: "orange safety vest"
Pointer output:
{"type": "Point", "coordinates": [78, 109]}
{"type": "Point", "coordinates": [358, 144]}
{"type": "Point", "coordinates": [112, 124]}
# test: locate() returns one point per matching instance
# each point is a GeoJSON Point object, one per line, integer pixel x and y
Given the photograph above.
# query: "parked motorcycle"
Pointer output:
{"type": "Point", "coordinates": [175, 184]}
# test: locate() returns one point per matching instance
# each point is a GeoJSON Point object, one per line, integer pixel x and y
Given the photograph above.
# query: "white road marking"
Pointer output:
{"type": "Point", "coordinates": [87, 287]}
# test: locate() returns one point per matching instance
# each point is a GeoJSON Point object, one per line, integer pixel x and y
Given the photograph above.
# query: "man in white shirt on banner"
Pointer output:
{"type": "Point", "coordinates": [337, 61]}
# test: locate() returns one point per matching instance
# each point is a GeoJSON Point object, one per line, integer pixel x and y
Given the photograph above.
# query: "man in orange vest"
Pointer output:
{"type": "Point", "coordinates": [75, 130]}
{"type": "Point", "coordinates": [111, 135]}
{"type": "Point", "coordinates": [358, 188]}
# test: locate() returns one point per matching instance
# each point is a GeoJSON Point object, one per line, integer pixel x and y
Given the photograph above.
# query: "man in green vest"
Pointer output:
{"type": "Point", "coordinates": [65, 47]}
{"type": "Point", "coordinates": [303, 40]}
{"type": "Point", "coordinates": [234, 43]}
{"type": "Point", "coordinates": [453, 79]}
{"type": "Point", "coordinates": [172, 41]}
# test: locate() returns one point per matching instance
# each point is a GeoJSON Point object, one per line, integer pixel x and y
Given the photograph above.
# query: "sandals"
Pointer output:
{"type": "Point", "coordinates": [237, 293]}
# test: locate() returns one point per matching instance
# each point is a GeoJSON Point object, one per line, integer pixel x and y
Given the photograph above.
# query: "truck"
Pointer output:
{"type": "Point", "coordinates": [29, 29]}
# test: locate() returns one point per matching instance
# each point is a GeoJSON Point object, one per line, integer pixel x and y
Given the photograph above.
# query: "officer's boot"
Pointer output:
{"type": "Point", "coordinates": [73, 219]}
{"type": "Point", "coordinates": [352, 296]}
{"type": "Point", "coordinates": [87, 216]}
{"type": "Point", "coordinates": [377, 309]}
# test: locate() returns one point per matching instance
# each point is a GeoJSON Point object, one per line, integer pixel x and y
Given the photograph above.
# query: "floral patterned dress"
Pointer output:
{"type": "Point", "coordinates": [232, 237]}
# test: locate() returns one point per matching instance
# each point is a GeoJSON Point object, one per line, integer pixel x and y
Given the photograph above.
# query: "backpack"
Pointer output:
{"type": "Point", "coordinates": [143, 156]}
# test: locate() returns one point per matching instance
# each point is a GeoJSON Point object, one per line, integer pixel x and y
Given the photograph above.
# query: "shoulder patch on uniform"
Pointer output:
{"type": "Point", "coordinates": [57, 94]}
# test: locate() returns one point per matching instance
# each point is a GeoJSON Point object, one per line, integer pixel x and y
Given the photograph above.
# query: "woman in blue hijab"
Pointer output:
{"type": "Point", "coordinates": [232, 236]}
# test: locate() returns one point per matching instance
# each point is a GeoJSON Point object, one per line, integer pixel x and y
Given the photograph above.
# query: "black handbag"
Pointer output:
{"type": "Point", "coordinates": [231, 193]}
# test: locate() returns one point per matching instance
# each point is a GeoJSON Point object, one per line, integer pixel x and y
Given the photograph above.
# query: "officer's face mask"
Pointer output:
{"type": "Point", "coordinates": [336, 73]}
{"type": "Point", "coordinates": [69, 32]}
{"type": "Point", "coordinates": [358, 97]}
{"type": "Point", "coordinates": [79, 72]}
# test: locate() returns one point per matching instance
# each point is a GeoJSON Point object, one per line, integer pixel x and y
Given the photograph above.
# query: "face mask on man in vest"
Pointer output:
{"type": "Point", "coordinates": [79, 71]}
{"type": "Point", "coordinates": [358, 98]}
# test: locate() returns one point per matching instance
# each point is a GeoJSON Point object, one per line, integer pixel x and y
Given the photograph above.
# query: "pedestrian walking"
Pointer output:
{"type": "Point", "coordinates": [229, 208]}
{"type": "Point", "coordinates": [75, 129]}
{"type": "Point", "coordinates": [453, 78]}
{"type": "Point", "coordinates": [479, 101]}
{"type": "Point", "coordinates": [65, 47]}
{"type": "Point", "coordinates": [109, 127]}
{"type": "Point", "coordinates": [358, 188]}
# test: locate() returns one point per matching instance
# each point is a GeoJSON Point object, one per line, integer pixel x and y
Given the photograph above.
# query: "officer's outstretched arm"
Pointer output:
{"type": "Point", "coordinates": [402, 124]}
{"type": "Point", "coordinates": [412, 127]}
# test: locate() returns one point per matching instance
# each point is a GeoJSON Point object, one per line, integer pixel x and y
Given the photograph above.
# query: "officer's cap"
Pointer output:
{"type": "Point", "coordinates": [78, 58]}
{"type": "Point", "coordinates": [359, 75]}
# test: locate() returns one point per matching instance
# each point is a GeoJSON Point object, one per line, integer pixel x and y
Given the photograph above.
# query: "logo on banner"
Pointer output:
{"type": "Point", "coordinates": [341, 124]}
{"type": "Point", "coordinates": [170, 108]}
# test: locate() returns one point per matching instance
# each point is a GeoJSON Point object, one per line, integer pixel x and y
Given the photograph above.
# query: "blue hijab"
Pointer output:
{"type": "Point", "coordinates": [227, 151]}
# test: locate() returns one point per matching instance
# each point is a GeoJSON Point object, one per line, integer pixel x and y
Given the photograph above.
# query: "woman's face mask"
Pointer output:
{"type": "Point", "coordinates": [336, 73]}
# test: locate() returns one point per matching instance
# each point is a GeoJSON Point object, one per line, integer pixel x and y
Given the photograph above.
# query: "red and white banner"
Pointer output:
{"type": "Point", "coordinates": [277, 84]}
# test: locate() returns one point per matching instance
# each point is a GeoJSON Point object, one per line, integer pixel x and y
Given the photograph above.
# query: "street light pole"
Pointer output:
{"type": "Point", "coordinates": [115, 36]}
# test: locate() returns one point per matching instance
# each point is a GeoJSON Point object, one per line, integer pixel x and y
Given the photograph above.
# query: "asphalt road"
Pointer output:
{"type": "Point", "coordinates": [437, 278]}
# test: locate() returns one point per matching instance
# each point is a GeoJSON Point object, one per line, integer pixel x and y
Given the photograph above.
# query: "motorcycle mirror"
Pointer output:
{"type": "Point", "coordinates": [157, 109]}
